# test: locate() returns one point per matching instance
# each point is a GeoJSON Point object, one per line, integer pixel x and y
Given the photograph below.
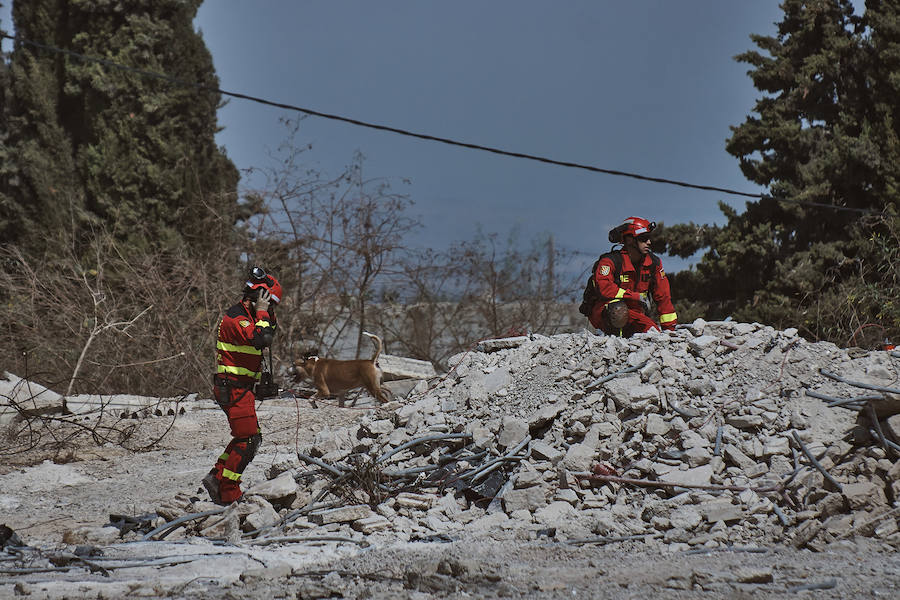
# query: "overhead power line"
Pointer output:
{"type": "Point", "coordinates": [423, 136]}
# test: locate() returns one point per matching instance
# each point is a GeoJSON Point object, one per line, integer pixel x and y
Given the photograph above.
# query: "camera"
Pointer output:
{"type": "Point", "coordinates": [266, 386]}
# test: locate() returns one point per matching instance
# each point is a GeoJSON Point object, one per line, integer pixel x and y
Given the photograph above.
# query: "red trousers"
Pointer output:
{"type": "Point", "coordinates": [240, 408]}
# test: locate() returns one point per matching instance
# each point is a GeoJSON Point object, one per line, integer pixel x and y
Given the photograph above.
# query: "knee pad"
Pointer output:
{"type": "Point", "coordinates": [253, 443]}
{"type": "Point", "coordinates": [246, 448]}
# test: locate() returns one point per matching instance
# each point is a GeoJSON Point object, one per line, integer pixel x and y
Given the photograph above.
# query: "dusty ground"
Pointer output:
{"type": "Point", "coordinates": [49, 495]}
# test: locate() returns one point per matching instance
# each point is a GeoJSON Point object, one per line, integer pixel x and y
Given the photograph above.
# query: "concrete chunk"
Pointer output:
{"type": "Point", "coordinates": [656, 425]}
{"type": "Point", "coordinates": [738, 458]}
{"type": "Point", "coordinates": [703, 345]}
{"type": "Point", "coordinates": [629, 392]}
{"type": "Point", "coordinates": [398, 367]}
{"type": "Point", "coordinates": [545, 414]}
{"type": "Point", "coordinates": [342, 514]}
{"type": "Point", "coordinates": [745, 421]}
{"type": "Point", "coordinates": [501, 343]}
{"type": "Point", "coordinates": [863, 494]}
{"type": "Point", "coordinates": [280, 487]}
{"type": "Point", "coordinates": [512, 431]}
{"type": "Point", "coordinates": [696, 476]}
{"type": "Point", "coordinates": [547, 452]}
{"type": "Point", "coordinates": [530, 499]}
{"type": "Point", "coordinates": [418, 501]}
{"type": "Point", "coordinates": [579, 457]}
{"type": "Point", "coordinates": [27, 396]}
{"type": "Point", "coordinates": [714, 512]}
{"type": "Point", "coordinates": [371, 524]}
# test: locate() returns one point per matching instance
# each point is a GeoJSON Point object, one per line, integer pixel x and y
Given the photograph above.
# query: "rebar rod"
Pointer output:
{"type": "Point", "coordinates": [832, 401]}
{"type": "Point", "coordinates": [499, 460]}
{"type": "Point", "coordinates": [336, 471]}
{"type": "Point", "coordinates": [672, 485]}
{"type": "Point", "coordinates": [816, 463]}
{"type": "Point", "coordinates": [780, 514]}
{"type": "Point", "coordinates": [893, 445]}
{"type": "Point", "coordinates": [606, 378]}
{"type": "Point", "coordinates": [859, 384]}
{"type": "Point", "coordinates": [612, 540]}
{"type": "Point", "coordinates": [299, 538]}
{"type": "Point", "coordinates": [422, 440]}
{"type": "Point", "coordinates": [717, 449]}
{"type": "Point", "coordinates": [175, 523]}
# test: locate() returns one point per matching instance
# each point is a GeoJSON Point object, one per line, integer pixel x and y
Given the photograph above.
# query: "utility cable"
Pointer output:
{"type": "Point", "coordinates": [432, 138]}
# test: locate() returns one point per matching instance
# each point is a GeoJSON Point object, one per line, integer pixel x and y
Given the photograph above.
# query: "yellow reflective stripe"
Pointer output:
{"type": "Point", "coordinates": [235, 348]}
{"type": "Point", "coordinates": [668, 318]}
{"type": "Point", "coordinates": [231, 475]}
{"type": "Point", "coordinates": [237, 371]}
{"type": "Point", "coordinates": [224, 457]}
{"type": "Point", "coordinates": [620, 293]}
{"type": "Point", "coordinates": [262, 323]}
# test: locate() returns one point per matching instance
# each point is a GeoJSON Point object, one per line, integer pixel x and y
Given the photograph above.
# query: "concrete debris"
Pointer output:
{"type": "Point", "coordinates": [398, 367]}
{"type": "Point", "coordinates": [664, 436]}
{"type": "Point", "coordinates": [18, 396]}
{"type": "Point", "coordinates": [716, 435]}
{"type": "Point", "coordinates": [492, 345]}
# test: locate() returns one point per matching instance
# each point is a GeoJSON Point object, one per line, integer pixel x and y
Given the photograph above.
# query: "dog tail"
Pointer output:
{"type": "Point", "coordinates": [377, 344]}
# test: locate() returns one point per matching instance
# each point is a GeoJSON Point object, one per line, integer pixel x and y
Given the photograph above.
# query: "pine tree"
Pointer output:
{"type": "Point", "coordinates": [824, 132]}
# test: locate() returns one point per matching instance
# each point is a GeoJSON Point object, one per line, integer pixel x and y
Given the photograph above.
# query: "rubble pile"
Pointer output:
{"type": "Point", "coordinates": [717, 435]}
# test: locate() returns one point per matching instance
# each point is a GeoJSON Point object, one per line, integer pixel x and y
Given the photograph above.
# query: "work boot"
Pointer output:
{"type": "Point", "coordinates": [211, 483]}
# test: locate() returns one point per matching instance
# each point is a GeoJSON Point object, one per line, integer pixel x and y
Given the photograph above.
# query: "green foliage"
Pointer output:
{"type": "Point", "coordinates": [825, 131]}
{"type": "Point", "coordinates": [121, 225]}
{"type": "Point", "coordinates": [99, 145]}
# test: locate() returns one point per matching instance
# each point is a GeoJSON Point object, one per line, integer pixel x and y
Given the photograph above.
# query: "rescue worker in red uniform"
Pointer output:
{"type": "Point", "coordinates": [246, 329]}
{"type": "Point", "coordinates": [625, 279]}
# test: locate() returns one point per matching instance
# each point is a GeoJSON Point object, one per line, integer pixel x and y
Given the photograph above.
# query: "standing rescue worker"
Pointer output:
{"type": "Point", "coordinates": [623, 280]}
{"type": "Point", "coordinates": [246, 329]}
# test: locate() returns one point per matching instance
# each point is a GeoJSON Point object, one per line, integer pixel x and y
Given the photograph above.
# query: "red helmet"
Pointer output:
{"type": "Point", "coordinates": [260, 279]}
{"type": "Point", "coordinates": [631, 226]}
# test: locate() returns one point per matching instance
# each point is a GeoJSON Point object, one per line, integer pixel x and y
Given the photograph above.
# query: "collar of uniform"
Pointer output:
{"type": "Point", "coordinates": [627, 265]}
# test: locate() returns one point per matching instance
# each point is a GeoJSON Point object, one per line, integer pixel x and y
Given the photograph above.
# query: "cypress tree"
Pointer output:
{"type": "Point", "coordinates": [101, 145]}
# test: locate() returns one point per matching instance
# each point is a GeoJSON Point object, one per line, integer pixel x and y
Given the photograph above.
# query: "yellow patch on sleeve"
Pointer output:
{"type": "Point", "coordinates": [243, 323]}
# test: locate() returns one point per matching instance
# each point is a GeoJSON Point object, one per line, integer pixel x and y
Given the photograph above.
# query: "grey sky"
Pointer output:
{"type": "Point", "coordinates": [645, 86]}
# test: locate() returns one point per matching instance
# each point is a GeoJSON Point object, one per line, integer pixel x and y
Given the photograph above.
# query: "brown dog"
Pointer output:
{"type": "Point", "coordinates": [332, 376]}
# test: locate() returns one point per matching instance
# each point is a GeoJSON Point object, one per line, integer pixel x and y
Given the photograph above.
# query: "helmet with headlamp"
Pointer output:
{"type": "Point", "coordinates": [258, 280]}
{"type": "Point", "coordinates": [633, 226]}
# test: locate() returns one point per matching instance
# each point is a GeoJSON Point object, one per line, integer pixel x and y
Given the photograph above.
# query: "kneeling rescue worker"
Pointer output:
{"type": "Point", "coordinates": [616, 297]}
{"type": "Point", "coordinates": [244, 331]}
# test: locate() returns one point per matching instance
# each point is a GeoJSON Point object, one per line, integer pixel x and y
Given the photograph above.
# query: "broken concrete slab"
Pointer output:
{"type": "Point", "coordinates": [492, 345]}
{"type": "Point", "coordinates": [399, 367]}
{"type": "Point", "coordinates": [342, 514]}
{"type": "Point", "coordinates": [19, 396]}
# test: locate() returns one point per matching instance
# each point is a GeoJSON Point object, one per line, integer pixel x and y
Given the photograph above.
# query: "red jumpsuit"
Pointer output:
{"type": "Point", "coordinates": [239, 348]}
{"type": "Point", "coordinates": [632, 287]}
